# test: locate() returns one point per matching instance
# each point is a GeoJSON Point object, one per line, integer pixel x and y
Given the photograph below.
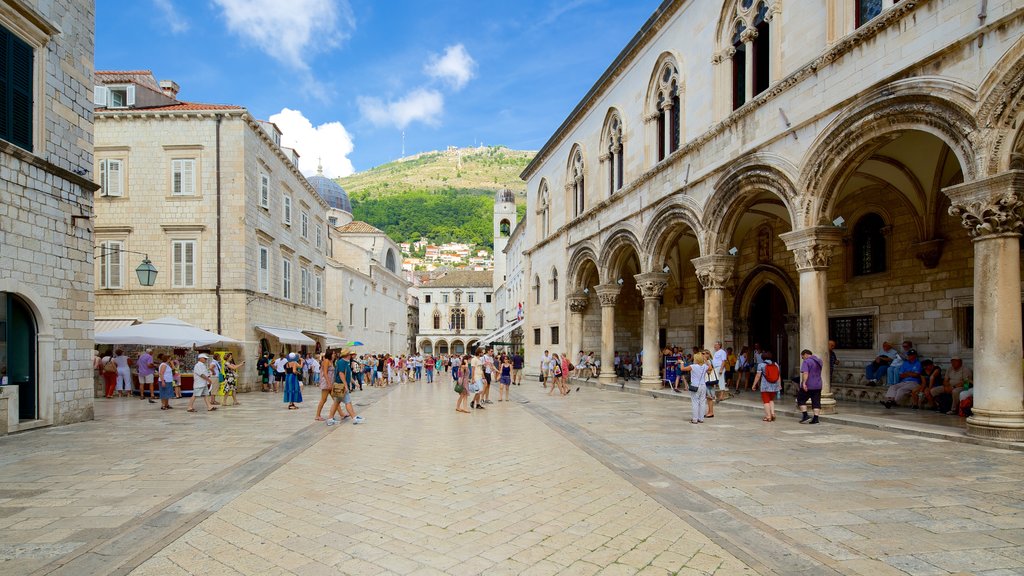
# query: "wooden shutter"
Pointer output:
{"type": "Point", "coordinates": [16, 67]}
{"type": "Point", "coordinates": [190, 263]}
{"type": "Point", "coordinates": [111, 179]}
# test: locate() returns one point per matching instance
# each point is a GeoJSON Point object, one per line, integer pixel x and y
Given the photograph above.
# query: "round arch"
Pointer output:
{"type": "Point", "coordinates": [669, 217]}
{"type": "Point", "coordinates": [738, 189]}
{"type": "Point", "coordinates": [426, 347]}
{"type": "Point", "coordinates": [578, 265]}
{"type": "Point", "coordinates": [1002, 104]}
{"type": "Point", "coordinates": [44, 346]}
{"type": "Point", "coordinates": [756, 279]}
{"type": "Point", "coordinates": [441, 345]}
{"type": "Point", "coordinates": [878, 118]}
{"type": "Point", "coordinates": [457, 347]}
{"type": "Point", "coordinates": [618, 245]}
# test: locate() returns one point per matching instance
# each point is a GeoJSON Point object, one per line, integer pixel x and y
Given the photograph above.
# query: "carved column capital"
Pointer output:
{"type": "Point", "coordinates": [652, 284]}
{"type": "Point", "coordinates": [993, 206]}
{"type": "Point", "coordinates": [748, 35]}
{"type": "Point", "coordinates": [578, 302]}
{"type": "Point", "coordinates": [608, 294]}
{"type": "Point", "coordinates": [714, 271]}
{"type": "Point", "coordinates": [813, 247]}
{"type": "Point", "coordinates": [929, 252]}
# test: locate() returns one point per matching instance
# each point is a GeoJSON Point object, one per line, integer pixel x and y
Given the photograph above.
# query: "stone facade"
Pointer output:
{"type": "Point", "coordinates": [45, 206]}
{"type": "Point", "coordinates": [795, 181]}
{"type": "Point", "coordinates": [470, 292]}
{"type": "Point", "coordinates": [248, 213]}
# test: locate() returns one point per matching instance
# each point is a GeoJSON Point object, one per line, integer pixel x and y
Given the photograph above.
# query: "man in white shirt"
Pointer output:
{"type": "Point", "coordinates": [202, 383]}
{"type": "Point", "coordinates": [488, 361]}
{"type": "Point", "coordinates": [545, 368]}
{"type": "Point", "coordinates": [476, 378]}
{"type": "Point", "coordinates": [718, 360]}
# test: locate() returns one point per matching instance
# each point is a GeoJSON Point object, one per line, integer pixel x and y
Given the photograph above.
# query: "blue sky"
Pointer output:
{"type": "Point", "coordinates": [344, 78]}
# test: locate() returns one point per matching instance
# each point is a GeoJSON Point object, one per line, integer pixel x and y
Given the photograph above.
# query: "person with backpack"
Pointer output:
{"type": "Point", "coordinates": [769, 378]}
{"type": "Point", "coordinates": [810, 386]}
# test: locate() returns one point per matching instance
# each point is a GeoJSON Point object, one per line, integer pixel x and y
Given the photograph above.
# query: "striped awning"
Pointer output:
{"type": "Point", "coordinates": [287, 335]}
{"type": "Point", "coordinates": [107, 324]}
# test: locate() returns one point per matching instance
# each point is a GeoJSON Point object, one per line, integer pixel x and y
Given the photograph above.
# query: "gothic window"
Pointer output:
{"type": "Point", "coordinates": [613, 141]}
{"type": "Point", "coordinates": [390, 263]}
{"type": "Point", "coordinates": [748, 45]}
{"type": "Point", "coordinates": [739, 67]}
{"type": "Point", "coordinates": [458, 319]}
{"type": "Point", "coordinates": [544, 209]}
{"type": "Point", "coordinates": [437, 320]}
{"type": "Point", "coordinates": [554, 284]}
{"type": "Point", "coordinates": [869, 251]}
{"type": "Point", "coordinates": [479, 320]}
{"type": "Point", "coordinates": [667, 109]}
{"type": "Point", "coordinates": [576, 182]}
{"type": "Point", "coordinates": [536, 288]}
{"type": "Point", "coordinates": [866, 10]}
{"type": "Point", "coordinates": [761, 48]}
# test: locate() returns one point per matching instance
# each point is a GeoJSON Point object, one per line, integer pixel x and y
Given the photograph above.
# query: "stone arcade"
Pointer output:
{"type": "Point", "coordinates": [757, 173]}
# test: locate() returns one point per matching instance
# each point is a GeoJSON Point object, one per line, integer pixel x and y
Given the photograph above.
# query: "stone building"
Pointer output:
{"type": "Point", "coordinates": [208, 193]}
{"type": "Point", "coordinates": [46, 202]}
{"type": "Point", "coordinates": [456, 311]}
{"type": "Point", "coordinates": [753, 172]}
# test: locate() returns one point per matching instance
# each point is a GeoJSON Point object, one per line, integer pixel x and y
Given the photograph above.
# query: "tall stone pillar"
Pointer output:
{"type": "Point", "coordinates": [812, 249]}
{"type": "Point", "coordinates": [992, 211]}
{"type": "Point", "coordinates": [608, 294]}
{"type": "Point", "coordinates": [651, 286]}
{"type": "Point", "coordinates": [714, 273]}
{"type": "Point", "coordinates": [577, 306]}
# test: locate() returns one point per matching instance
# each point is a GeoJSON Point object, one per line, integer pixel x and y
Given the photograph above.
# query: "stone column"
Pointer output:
{"type": "Point", "coordinates": [608, 294]}
{"type": "Point", "coordinates": [992, 211]}
{"type": "Point", "coordinates": [651, 286]}
{"type": "Point", "coordinates": [577, 305]}
{"type": "Point", "coordinates": [812, 249]}
{"type": "Point", "coordinates": [714, 273]}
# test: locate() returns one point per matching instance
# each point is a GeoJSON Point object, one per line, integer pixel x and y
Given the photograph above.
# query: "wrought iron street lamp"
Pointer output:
{"type": "Point", "coordinates": [145, 271]}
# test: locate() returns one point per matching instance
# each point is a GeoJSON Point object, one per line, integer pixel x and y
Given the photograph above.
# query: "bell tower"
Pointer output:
{"type": "Point", "coordinates": [504, 222]}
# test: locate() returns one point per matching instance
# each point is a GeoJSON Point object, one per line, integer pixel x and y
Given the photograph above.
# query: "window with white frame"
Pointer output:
{"type": "Point", "coordinates": [304, 286]}
{"type": "Point", "coordinates": [264, 190]}
{"type": "Point", "coordinates": [319, 235]}
{"type": "Point", "coordinates": [120, 96]}
{"type": "Point", "coordinates": [111, 260]}
{"type": "Point", "coordinates": [304, 220]}
{"type": "Point", "coordinates": [286, 213]}
{"type": "Point", "coordinates": [286, 279]}
{"type": "Point", "coordinates": [470, 297]}
{"type": "Point", "coordinates": [183, 257]}
{"type": "Point", "coordinates": [111, 177]}
{"type": "Point", "coordinates": [263, 279]}
{"type": "Point", "coordinates": [183, 177]}
{"type": "Point", "coordinates": [319, 291]}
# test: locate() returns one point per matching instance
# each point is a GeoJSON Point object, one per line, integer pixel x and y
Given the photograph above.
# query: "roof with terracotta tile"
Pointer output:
{"type": "Point", "coordinates": [180, 106]}
{"type": "Point", "coordinates": [359, 227]}
{"type": "Point", "coordinates": [141, 77]}
{"type": "Point", "coordinates": [462, 278]}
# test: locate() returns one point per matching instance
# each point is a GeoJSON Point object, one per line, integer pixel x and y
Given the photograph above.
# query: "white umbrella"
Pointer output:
{"type": "Point", "coordinates": [168, 331]}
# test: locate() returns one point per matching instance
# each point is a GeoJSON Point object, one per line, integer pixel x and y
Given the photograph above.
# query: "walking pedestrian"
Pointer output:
{"type": "Point", "coordinates": [124, 374]}
{"type": "Point", "coordinates": [109, 372]}
{"type": "Point", "coordinates": [340, 390]}
{"type": "Point", "coordinates": [231, 378]}
{"type": "Point", "coordinates": [698, 389]}
{"type": "Point", "coordinates": [279, 375]}
{"type": "Point", "coordinates": [144, 366]}
{"type": "Point", "coordinates": [165, 375]}
{"type": "Point", "coordinates": [476, 377]}
{"type": "Point", "coordinates": [292, 388]}
{"type": "Point", "coordinates": [505, 379]}
{"type": "Point", "coordinates": [263, 371]}
{"type": "Point", "coordinates": [810, 386]}
{"type": "Point", "coordinates": [769, 379]}
{"type": "Point", "coordinates": [462, 388]}
{"type": "Point", "coordinates": [202, 383]}
{"type": "Point", "coordinates": [327, 380]}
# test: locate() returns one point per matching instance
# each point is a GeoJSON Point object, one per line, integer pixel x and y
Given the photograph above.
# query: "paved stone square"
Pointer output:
{"type": "Point", "coordinates": [599, 482]}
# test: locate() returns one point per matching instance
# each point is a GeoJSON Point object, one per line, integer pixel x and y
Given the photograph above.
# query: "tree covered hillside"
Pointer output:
{"type": "Point", "coordinates": [444, 196]}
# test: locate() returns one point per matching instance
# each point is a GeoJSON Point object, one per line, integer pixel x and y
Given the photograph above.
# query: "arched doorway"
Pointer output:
{"type": "Point", "coordinates": [766, 324]}
{"type": "Point", "coordinates": [18, 333]}
{"type": "Point", "coordinates": [442, 346]}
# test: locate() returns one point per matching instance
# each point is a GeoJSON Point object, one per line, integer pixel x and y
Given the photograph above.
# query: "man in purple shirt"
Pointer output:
{"type": "Point", "coordinates": [810, 386]}
{"type": "Point", "coordinates": [145, 367]}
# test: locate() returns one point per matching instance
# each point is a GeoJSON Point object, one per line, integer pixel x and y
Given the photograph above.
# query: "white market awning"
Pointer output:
{"type": "Point", "coordinates": [287, 335]}
{"type": "Point", "coordinates": [108, 324]}
{"type": "Point", "coordinates": [329, 340]}
{"type": "Point", "coordinates": [168, 331]}
{"type": "Point", "coordinates": [501, 332]}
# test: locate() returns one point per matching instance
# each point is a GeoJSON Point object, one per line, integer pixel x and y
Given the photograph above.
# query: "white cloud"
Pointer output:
{"type": "Point", "coordinates": [421, 105]}
{"type": "Point", "coordinates": [327, 143]}
{"type": "Point", "coordinates": [456, 66]}
{"type": "Point", "coordinates": [290, 31]}
{"type": "Point", "coordinates": [177, 23]}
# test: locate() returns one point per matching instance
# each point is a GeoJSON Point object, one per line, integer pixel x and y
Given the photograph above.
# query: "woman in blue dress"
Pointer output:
{"type": "Point", "coordinates": [292, 390]}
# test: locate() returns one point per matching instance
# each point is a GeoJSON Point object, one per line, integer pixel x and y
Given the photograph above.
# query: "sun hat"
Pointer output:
{"type": "Point", "coordinates": [204, 356]}
{"type": "Point", "coordinates": [293, 356]}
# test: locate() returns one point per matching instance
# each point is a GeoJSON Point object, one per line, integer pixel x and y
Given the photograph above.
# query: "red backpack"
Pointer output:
{"type": "Point", "coordinates": [771, 372]}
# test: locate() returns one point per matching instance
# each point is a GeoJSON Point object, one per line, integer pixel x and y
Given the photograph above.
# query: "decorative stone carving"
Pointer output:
{"type": "Point", "coordinates": [748, 35]}
{"type": "Point", "coordinates": [652, 284]}
{"type": "Point", "coordinates": [812, 247]}
{"type": "Point", "coordinates": [578, 304]}
{"type": "Point", "coordinates": [714, 272]}
{"type": "Point", "coordinates": [991, 206]}
{"type": "Point", "coordinates": [608, 294]}
{"type": "Point", "coordinates": [929, 252]}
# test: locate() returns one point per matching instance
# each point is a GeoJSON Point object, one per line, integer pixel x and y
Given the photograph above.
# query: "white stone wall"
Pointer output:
{"type": "Point", "coordinates": [46, 253]}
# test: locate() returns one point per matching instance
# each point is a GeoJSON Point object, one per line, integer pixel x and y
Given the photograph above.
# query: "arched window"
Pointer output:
{"type": "Point", "coordinates": [667, 109]}
{"type": "Point", "coordinates": [544, 210]}
{"type": "Point", "coordinates": [458, 319]}
{"type": "Point", "coordinates": [536, 288]}
{"type": "Point", "coordinates": [504, 228]}
{"type": "Point", "coordinates": [869, 251]}
{"type": "Point", "coordinates": [576, 183]}
{"type": "Point", "coordinates": [389, 261]}
{"type": "Point", "coordinates": [480, 320]}
{"type": "Point", "coordinates": [747, 45]}
{"type": "Point", "coordinates": [613, 143]}
{"type": "Point", "coordinates": [437, 319]}
{"type": "Point", "coordinates": [867, 10]}
{"type": "Point", "coordinates": [554, 284]}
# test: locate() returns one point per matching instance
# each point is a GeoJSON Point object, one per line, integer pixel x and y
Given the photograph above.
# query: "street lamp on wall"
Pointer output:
{"type": "Point", "coordinates": [145, 271]}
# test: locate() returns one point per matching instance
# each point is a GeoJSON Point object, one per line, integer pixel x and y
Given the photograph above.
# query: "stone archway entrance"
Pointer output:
{"type": "Point", "coordinates": [766, 324]}
{"type": "Point", "coordinates": [18, 334]}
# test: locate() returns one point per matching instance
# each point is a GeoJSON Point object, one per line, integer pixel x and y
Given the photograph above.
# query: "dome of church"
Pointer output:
{"type": "Point", "coordinates": [331, 191]}
{"type": "Point", "coordinates": [505, 195]}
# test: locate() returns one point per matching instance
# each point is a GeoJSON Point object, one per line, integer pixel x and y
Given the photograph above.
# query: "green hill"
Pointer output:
{"type": "Point", "coordinates": [445, 196]}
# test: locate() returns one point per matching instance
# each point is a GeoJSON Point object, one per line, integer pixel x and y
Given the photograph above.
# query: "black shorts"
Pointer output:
{"type": "Point", "coordinates": [814, 396]}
